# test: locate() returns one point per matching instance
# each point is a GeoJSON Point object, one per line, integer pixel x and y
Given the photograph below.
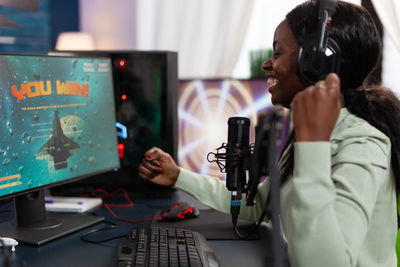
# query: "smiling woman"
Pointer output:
{"type": "Point", "coordinates": [341, 165]}
{"type": "Point", "coordinates": [281, 67]}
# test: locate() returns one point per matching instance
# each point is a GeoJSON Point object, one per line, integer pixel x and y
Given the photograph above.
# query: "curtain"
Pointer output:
{"type": "Point", "coordinates": [389, 14]}
{"type": "Point", "coordinates": [207, 34]}
{"type": "Point", "coordinates": [112, 24]}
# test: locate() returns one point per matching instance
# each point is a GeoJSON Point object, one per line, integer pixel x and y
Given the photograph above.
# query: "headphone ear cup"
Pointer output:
{"type": "Point", "coordinates": [304, 62]}
{"type": "Point", "coordinates": [313, 65]}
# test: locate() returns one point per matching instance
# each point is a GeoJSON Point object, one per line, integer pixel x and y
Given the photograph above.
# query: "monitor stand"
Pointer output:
{"type": "Point", "coordinates": [33, 225]}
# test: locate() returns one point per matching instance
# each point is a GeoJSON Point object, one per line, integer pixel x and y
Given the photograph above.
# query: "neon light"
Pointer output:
{"type": "Point", "coordinates": [201, 93]}
{"type": "Point", "coordinates": [189, 147]}
{"type": "Point", "coordinates": [189, 118]}
{"type": "Point", "coordinates": [259, 104]}
{"type": "Point", "coordinates": [123, 131]}
{"type": "Point", "coordinates": [121, 148]}
{"type": "Point", "coordinates": [226, 84]}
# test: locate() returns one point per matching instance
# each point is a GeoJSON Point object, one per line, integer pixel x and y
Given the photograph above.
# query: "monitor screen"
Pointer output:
{"type": "Point", "coordinates": [57, 122]}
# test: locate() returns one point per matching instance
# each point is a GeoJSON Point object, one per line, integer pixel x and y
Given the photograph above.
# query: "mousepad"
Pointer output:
{"type": "Point", "coordinates": [212, 224]}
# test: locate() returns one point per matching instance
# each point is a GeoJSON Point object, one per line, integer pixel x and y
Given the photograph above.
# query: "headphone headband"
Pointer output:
{"type": "Point", "coordinates": [322, 56]}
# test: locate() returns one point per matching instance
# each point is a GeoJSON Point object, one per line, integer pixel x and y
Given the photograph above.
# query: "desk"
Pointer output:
{"type": "Point", "coordinates": [70, 250]}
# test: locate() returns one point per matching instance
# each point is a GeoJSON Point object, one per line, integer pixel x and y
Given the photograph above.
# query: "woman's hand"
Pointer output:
{"type": "Point", "coordinates": [316, 109]}
{"type": "Point", "coordinates": [159, 167]}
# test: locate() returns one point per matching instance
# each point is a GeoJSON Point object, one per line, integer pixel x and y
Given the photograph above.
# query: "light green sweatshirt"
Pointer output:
{"type": "Point", "coordinates": [338, 209]}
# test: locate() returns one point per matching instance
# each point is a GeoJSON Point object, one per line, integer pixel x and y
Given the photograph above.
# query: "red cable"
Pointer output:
{"type": "Point", "coordinates": [108, 195]}
{"type": "Point", "coordinates": [126, 220]}
{"type": "Point", "coordinates": [103, 194]}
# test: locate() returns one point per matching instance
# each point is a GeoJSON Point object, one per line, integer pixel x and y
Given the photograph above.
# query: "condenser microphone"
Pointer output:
{"type": "Point", "coordinates": [237, 153]}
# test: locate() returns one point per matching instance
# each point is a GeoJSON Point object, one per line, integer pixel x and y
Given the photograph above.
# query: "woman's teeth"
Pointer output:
{"type": "Point", "coordinates": [272, 81]}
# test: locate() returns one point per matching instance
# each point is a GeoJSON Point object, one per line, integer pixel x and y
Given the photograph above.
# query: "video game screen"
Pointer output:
{"type": "Point", "coordinates": [57, 120]}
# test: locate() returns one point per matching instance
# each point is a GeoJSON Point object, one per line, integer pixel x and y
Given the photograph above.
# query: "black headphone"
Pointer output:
{"type": "Point", "coordinates": [322, 56]}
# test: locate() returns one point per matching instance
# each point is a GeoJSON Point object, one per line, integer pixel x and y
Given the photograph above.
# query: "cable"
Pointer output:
{"type": "Point", "coordinates": [247, 235]}
{"type": "Point", "coordinates": [84, 236]}
{"type": "Point", "coordinates": [126, 220]}
{"type": "Point", "coordinates": [104, 194]}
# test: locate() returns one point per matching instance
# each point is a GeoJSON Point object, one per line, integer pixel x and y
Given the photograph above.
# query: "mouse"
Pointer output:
{"type": "Point", "coordinates": [179, 211]}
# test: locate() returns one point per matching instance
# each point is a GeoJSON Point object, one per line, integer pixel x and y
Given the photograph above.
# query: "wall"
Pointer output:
{"type": "Point", "coordinates": [64, 16]}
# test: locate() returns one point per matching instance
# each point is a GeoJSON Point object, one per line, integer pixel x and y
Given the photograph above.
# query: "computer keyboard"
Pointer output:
{"type": "Point", "coordinates": [153, 246]}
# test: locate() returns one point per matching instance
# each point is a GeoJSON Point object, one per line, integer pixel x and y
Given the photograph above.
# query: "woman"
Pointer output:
{"type": "Point", "coordinates": [340, 165]}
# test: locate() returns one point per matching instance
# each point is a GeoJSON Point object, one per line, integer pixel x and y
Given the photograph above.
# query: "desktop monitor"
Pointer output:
{"type": "Point", "coordinates": [146, 93]}
{"type": "Point", "coordinates": [57, 126]}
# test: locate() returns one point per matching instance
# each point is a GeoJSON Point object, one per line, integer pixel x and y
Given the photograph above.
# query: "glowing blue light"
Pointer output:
{"type": "Point", "coordinates": [223, 97]}
{"type": "Point", "coordinates": [189, 147]}
{"type": "Point", "coordinates": [201, 93]}
{"type": "Point", "coordinates": [187, 117]}
{"type": "Point", "coordinates": [123, 131]}
{"type": "Point", "coordinates": [259, 104]}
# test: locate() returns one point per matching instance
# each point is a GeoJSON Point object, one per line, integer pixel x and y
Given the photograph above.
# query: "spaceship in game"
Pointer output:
{"type": "Point", "coordinates": [59, 147]}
